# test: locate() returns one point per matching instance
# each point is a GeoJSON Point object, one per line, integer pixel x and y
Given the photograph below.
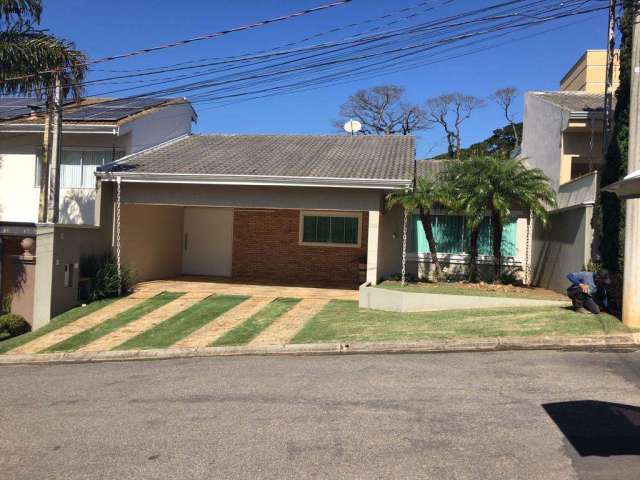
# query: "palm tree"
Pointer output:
{"type": "Point", "coordinates": [495, 185]}
{"type": "Point", "coordinates": [25, 53]}
{"type": "Point", "coordinates": [427, 194]}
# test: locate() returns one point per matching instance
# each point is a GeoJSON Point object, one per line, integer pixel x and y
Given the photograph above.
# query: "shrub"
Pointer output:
{"type": "Point", "coordinates": [102, 270]}
{"type": "Point", "coordinates": [5, 303]}
{"type": "Point", "coordinates": [12, 325]}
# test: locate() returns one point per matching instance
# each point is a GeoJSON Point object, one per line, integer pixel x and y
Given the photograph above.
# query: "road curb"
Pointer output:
{"type": "Point", "coordinates": [624, 342]}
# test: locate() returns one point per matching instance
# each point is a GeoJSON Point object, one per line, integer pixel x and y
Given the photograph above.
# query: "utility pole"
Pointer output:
{"type": "Point", "coordinates": [608, 91]}
{"type": "Point", "coordinates": [44, 160]}
{"type": "Point", "coordinates": [53, 199]}
{"type": "Point", "coordinates": [631, 288]}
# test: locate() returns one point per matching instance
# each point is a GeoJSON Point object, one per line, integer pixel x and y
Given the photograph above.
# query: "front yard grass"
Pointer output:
{"type": "Point", "coordinates": [342, 321]}
{"type": "Point", "coordinates": [87, 336]}
{"type": "Point", "coordinates": [56, 322]}
{"type": "Point", "coordinates": [184, 323]}
{"type": "Point", "coordinates": [250, 328]}
{"type": "Point", "coordinates": [480, 290]}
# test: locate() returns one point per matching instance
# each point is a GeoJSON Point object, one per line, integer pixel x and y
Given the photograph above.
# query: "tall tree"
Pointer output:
{"type": "Point", "coordinates": [381, 111]}
{"type": "Point", "coordinates": [504, 98]}
{"type": "Point", "coordinates": [501, 143]}
{"type": "Point", "coordinates": [494, 185]}
{"type": "Point", "coordinates": [24, 53]}
{"type": "Point", "coordinates": [427, 194]}
{"type": "Point", "coordinates": [609, 215]}
{"type": "Point", "coordinates": [450, 111]}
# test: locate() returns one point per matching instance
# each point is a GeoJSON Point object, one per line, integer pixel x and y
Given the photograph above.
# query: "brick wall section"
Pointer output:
{"type": "Point", "coordinates": [266, 248]}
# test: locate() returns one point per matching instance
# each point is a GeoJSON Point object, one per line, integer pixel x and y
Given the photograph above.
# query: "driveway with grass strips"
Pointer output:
{"type": "Point", "coordinates": [194, 313]}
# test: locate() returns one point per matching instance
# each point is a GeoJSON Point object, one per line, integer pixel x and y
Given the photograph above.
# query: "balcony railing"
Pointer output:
{"type": "Point", "coordinates": [579, 191]}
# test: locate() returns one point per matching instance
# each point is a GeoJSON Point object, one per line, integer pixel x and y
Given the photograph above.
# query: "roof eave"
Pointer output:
{"type": "Point", "coordinates": [255, 180]}
{"type": "Point", "coordinates": [105, 129]}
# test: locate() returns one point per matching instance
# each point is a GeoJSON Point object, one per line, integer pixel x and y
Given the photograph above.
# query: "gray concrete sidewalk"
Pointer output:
{"type": "Point", "coordinates": [629, 342]}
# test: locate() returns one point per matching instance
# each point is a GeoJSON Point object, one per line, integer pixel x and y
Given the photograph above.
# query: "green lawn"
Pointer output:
{"type": "Point", "coordinates": [341, 320]}
{"type": "Point", "coordinates": [56, 322]}
{"type": "Point", "coordinates": [184, 323]}
{"type": "Point", "coordinates": [250, 328]}
{"type": "Point", "coordinates": [120, 320]}
{"type": "Point", "coordinates": [466, 289]}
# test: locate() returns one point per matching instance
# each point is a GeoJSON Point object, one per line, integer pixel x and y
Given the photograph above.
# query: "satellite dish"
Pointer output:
{"type": "Point", "coordinates": [352, 126]}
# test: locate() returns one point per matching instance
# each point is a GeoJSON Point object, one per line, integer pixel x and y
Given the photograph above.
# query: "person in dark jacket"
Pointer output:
{"type": "Point", "coordinates": [588, 291]}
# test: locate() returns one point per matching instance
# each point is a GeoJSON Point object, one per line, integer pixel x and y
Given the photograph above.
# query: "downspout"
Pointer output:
{"type": "Point", "coordinates": [118, 245]}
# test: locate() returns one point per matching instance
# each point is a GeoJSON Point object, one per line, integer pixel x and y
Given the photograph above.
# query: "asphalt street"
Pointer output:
{"type": "Point", "coordinates": [505, 415]}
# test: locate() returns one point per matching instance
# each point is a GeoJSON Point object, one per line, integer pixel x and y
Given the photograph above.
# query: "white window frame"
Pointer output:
{"type": "Point", "coordinates": [325, 213]}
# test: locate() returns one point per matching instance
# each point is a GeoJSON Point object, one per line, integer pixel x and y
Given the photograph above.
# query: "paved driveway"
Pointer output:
{"type": "Point", "coordinates": [448, 416]}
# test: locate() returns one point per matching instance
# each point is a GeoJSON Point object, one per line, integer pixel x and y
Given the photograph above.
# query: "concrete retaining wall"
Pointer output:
{"type": "Point", "coordinates": [396, 301]}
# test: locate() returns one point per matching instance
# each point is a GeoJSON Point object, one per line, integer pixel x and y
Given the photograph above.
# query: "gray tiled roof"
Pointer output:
{"type": "Point", "coordinates": [430, 167]}
{"type": "Point", "coordinates": [573, 101]}
{"type": "Point", "coordinates": [315, 156]}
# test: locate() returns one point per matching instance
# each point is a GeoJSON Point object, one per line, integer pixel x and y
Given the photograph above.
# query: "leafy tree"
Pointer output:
{"type": "Point", "coordinates": [450, 111]}
{"type": "Point", "coordinates": [381, 111]}
{"type": "Point", "coordinates": [26, 51]}
{"type": "Point", "coordinates": [494, 185]}
{"type": "Point", "coordinates": [500, 144]}
{"type": "Point", "coordinates": [427, 194]}
{"type": "Point", "coordinates": [504, 98]}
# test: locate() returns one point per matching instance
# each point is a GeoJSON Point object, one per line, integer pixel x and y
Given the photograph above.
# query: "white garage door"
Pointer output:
{"type": "Point", "coordinates": [208, 241]}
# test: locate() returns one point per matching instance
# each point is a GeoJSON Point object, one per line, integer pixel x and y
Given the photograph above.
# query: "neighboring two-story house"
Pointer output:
{"type": "Point", "coordinates": [95, 132]}
{"type": "Point", "coordinates": [562, 135]}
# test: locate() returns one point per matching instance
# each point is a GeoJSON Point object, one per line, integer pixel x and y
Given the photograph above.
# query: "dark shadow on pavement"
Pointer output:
{"type": "Point", "coordinates": [597, 428]}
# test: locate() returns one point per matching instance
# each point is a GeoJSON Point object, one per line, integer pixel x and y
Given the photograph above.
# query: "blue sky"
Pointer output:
{"type": "Point", "coordinates": [104, 28]}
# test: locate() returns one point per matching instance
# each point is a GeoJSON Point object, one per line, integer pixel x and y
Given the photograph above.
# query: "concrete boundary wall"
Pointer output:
{"type": "Point", "coordinates": [396, 301]}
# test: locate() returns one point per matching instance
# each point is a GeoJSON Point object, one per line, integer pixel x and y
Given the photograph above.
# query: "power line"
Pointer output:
{"type": "Point", "coordinates": [198, 38]}
{"type": "Point", "coordinates": [325, 57]}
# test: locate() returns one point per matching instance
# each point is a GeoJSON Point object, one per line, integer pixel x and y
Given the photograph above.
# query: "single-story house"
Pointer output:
{"type": "Point", "coordinates": [272, 208]}
{"type": "Point", "coordinates": [284, 208]}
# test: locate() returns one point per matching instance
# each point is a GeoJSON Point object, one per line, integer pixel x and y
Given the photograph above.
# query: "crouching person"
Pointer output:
{"type": "Point", "coordinates": [588, 291]}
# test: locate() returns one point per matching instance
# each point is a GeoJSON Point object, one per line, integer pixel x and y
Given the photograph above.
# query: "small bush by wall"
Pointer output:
{"type": "Point", "coordinates": [104, 281]}
{"type": "Point", "coordinates": [12, 325]}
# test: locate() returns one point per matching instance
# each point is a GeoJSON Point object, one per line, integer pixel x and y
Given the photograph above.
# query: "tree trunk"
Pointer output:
{"type": "Point", "coordinates": [425, 218]}
{"type": "Point", "coordinates": [473, 255]}
{"type": "Point", "coordinates": [44, 164]}
{"type": "Point", "coordinates": [496, 242]}
{"type": "Point", "coordinates": [515, 134]}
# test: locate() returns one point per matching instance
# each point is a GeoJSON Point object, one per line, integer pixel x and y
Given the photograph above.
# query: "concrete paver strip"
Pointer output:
{"type": "Point", "coordinates": [143, 324]}
{"type": "Point", "coordinates": [284, 329]}
{"type": "Point", "coordinates": [186, 284]}
{"type": "Point", "coordinates": [80, 325]}
{"type": "Point", "coordinates": [225, 322]}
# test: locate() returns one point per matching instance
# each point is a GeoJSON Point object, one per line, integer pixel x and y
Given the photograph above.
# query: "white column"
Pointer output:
{"type": "Point", "coordinates": [373, 239]}
{"type": "Point", "coordinates": [631, 287]}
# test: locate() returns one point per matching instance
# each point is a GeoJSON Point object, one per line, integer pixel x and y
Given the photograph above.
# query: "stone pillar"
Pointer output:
{"type": "Point", "coordinates": [373, 240]}
{"type": "Point", "coordinates": [43, 289]}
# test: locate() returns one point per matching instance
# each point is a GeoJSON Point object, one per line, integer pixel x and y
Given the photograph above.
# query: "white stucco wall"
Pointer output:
{"type": "Point", "coordinates": [157, 127]}
{"type": "Point", "coordinates": [18, 193]}
{"type": "Point", "coordinates": [563, 247]}
{"type": "Point", "coordinates": [542, 136]}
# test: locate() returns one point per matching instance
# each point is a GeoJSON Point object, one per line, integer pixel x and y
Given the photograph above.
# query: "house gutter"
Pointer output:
{"type": "Point", "coordinates": [108, 129]}
{"type": "Point", "coordinates": [255, 180]}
